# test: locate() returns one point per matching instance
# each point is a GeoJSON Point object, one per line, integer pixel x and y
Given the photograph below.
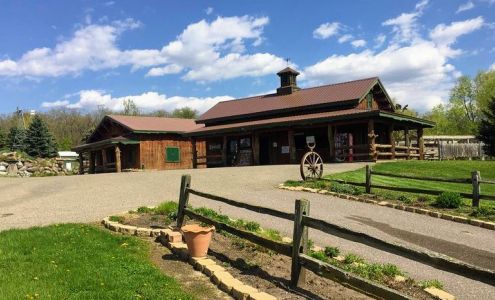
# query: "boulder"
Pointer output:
{"type": "Point", "coordinates": [12, 170]}
{"type": "Point", "coordinates": [20, 164]}
{"type": "Point", "coordinates": [4, 164]}
{"type": "Point", "coordinates": [3, 168]}
{"type": "Point", "coordinates": [33, 169]}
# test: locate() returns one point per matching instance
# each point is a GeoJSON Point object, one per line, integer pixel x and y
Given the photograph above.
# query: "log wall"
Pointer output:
{"type": "Point", "coordinates": [153, 147]}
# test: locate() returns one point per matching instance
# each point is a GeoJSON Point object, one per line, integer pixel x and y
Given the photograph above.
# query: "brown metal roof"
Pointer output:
{"type": "Point", "coordinates": [354, 112]}
{"type": "Point", "coordinates": [156, 124]}
{"type": "Point", "coordinates": [332, 93]}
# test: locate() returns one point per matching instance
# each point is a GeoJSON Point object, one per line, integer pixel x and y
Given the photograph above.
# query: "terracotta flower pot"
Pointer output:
{"type": "Point", "coordinates": [197, 238]}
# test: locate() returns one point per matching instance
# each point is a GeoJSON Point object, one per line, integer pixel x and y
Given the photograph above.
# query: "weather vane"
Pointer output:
{"type": "Point", "coordinates": [287, 59]}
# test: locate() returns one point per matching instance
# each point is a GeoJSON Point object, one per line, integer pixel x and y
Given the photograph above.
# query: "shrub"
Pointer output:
{"type": "Point", "coordinates": [344, 189]}
{"type": "Point", "coordinates": [482, 211]}
{"type": "Point", "coordinates": [448, 200]}
{"type": "Point", "coordinates": [353, 258]}
{"type": "Point", "coordinates": [332, 251]}
{"type": "Point", "coordinates": [166, 208]}
{"type": "Point", "coordinates": [431, 283]}
{"type": "Point", "coordinates": [144, 209]}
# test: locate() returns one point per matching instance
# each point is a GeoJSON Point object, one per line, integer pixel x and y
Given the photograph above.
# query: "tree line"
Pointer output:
{"type": "Point", "coordinates": [468, 112]}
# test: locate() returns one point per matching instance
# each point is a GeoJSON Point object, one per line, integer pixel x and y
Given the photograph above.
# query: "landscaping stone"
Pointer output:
{"type": "Point", "coordinates": [435, 214]}
{"type": "Point", "coordinates": [488, 225]}
{"type": "Point", "coordinates": [339, 258]}
{"type": "Point", "coordinates": [410, 209]}
{"type": "Point", "coordinates": [143, 231]}
{"type": "Point", "coordinates": [286, 240]}
{"type": "Point", "coordinates": [200, 264]}
{"type": "Point", "coordinates": [400, 207]}
{"type": "Point", "coordinates": [155, 232]}
{"type": "Point", "coordinates": [475, 222]}
{"type": "Point", "coordinates": [460, 219]}
{"type": "Point", "coordinates": [165, 232]}
{"type": "Point", "coordinates": [447, 217]}
{"type": "Point", "coordinates": [439, 294]}
{"type": "Point", "coordinates": [392, 205]}
{"type": "Point", "coordinates": [174, 237]}
{"type": "Point", "coordinates": [220, 276]}
{"type": "Point", "coordinates": [399, 278]}
{"type": "Point", "coordinates": [127, 229]}
{"type": "Point", "coordinates": [228, 284]}
{"type": "Point", "coordinates": [261, 296]}
{"type": "Point", "coordinates": [422, 211]}
{"type": "Point", "coordinates": [209, 270]}
{"type": "Point", "coordinates": [113, 226]}
{"type": "Point", "coordinates": [242, 292]}
{"type": "Point", "coordinates": [383, 203]}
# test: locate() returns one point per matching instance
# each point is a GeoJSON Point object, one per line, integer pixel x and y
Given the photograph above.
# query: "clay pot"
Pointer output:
{"type": "Point", "coordinates": [197, 238]}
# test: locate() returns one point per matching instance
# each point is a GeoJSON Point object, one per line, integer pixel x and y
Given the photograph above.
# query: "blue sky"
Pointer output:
{"type": "Point", "coordinates": [170, 54]}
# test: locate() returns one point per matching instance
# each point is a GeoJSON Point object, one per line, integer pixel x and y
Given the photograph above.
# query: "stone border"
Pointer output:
{"type": "Point", "coordinates": [421, 211]}
{"type": "Point", "coordinates": [172, 239]}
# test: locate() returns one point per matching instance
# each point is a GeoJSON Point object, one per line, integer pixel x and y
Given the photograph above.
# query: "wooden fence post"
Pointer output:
{"type": "Point", "coordinates": [475, 178]}
{"type": "Point", "coordinates": [185, 183]}
{"type": "Point", "coordinates": [368, 179]}
{"type": "Point", "coordinates": [299, 243]}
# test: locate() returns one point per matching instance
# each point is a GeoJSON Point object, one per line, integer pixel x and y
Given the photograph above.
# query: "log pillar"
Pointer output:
{"type": "Point", "coordinates": [256, 149]}
{"type": "Point", "coordinates": [81, 163]}
{"type": "Point", "coordinates": [118, 163]}
{"type": "Point", "coordinates": [104, 159]}
{"type": "Point", "coordinates": [391, 139]}
{"type": "Point", "coordinates": [407, 143]}
{"type": "Point", "coordinates": [92, 155]}
{"type": "Point", "coordinates": [292, 147]}
{"type": "Point", "coordinates": [421, 144]}
{"type": "Point", "coordinates": [224, 151]}
{"type": "Point", "coordinates": [194, 153]}
{"type": "Point", "coordinates": [331, 142]}
{"type": "Point", "coordinates": [371, 139]}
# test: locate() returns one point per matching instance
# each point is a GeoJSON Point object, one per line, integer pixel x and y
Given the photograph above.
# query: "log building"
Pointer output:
{"type": "Point", "coordinates": [348, 121]}
{"type": "Point", "coordinates": [134, 142]}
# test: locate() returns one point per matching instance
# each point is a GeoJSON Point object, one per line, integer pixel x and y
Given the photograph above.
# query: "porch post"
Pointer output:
{"type": "Point", "coordinates": [194, 153]}
{"type": "Point", "coordinates": [391, 139]}
{"type": "Point", "coordinates": [91, 162]}
{"type": "Point", "coordinates": [256, 148]}
{"type": "Point", "coordinates": [292, 147]}
{"type": "Point", "coordinates": [407, 142]}
{"type": "Point", "coordinates": [118, 163]}
{"type": "Point", "coordinates": [104, 159]}
{"type": "Point", "coordinates": [81, 163]}
{"type": "Point", "coordinates": [331, 142]}
{"type": "Point", "coordinates": [421, 144]}
{"type": "Point", "coordinates": [224, 151]}
{"type": "Point", "coordinates": [371, 139]}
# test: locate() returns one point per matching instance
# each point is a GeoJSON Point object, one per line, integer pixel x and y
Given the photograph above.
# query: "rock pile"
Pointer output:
{"type": "Point", "coordinates": [13, 164]}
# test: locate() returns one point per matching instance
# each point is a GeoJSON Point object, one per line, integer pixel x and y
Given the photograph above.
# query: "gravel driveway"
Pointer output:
{"type": "Point", "coordinates": [42, 201]}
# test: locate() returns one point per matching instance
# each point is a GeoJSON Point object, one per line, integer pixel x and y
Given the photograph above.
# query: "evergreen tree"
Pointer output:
{"type": "Point", "coordinates": [487, 129]}
{"type": "Point", "coordinates": [3, 139]}
{"type": "Point", "coordinates": [16, 140]}
{"type": "Point", "coordinates": [39, 140]}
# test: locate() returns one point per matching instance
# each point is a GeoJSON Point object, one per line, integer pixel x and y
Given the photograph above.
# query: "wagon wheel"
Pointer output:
{"type": "Point", "coordinates": [311, 166]}
{"type": "Point", "coordinates": [340, 156]}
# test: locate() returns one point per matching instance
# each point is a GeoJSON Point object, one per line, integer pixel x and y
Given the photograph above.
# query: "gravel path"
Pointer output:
{"type": "Point", "coordinates": [42, 201]}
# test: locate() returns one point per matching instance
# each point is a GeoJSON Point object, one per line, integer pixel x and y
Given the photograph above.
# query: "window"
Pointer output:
{"type": "Point", "coordinates": [369, 98]}
{"type": "Point", "coordinates": [172, 154]}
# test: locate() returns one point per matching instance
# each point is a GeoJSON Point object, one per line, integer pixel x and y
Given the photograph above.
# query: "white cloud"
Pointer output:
{"type": "Point", "coordinates": [416, 71]}
{"type": "Point", "coordinates": [345, 38]}
{"type": "Point", "coordinates": [148, 101]}
{"type": "Point", "coordinates": [492, 67]}
{"type": "Point", "coordinates": [466, 6]}
{"type": "Point", "coordinates": [199, 48]}
{"type": "Point", "coordinates": [358, 43]}
{"type": "Point", "coordinates": [209, 10]}
{"type": "Point", "coordinates": [326, 30]}
{"type": "Point", "coordinates": [380, 40]}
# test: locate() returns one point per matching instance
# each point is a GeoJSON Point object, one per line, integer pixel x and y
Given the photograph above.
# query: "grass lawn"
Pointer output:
{"type": "Point", "coordinates": [76, 261]}
{"type": "Point", "coordinates": [441, 169]}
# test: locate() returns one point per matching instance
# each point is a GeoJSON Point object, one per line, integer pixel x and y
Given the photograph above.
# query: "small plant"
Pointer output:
{"type": "Point", "coordinates": [320, 255]}
{"type": "Point", "coordinates": [166, 208]}
{"type": "Point", "coordinates": [391, 270]}
{"type": "Point", "coordinates": [344, 189]}
{"type": "Point", "coordinates": [405, 199]}
{"type": "Point", "coordinates": [144, 210]}
{"type": "Point", "coordinates": [448, 200]}
{"type": "Point", "coordinates": [116, 218]}
{"type": "Point", "coordinates": [292, 183]}
{"type": "Point", "coordinates": [332, 251]}
{"type": "Point", "coordinates": [316, 184]}
{"type": "Point", "coordinates": [431, 283]}
{"type": "Point", "coordinates": [310, 244]}
{"type": "Point", "coordinates": [353, 258]}
{"type": "Point", "coordinates": [424, 199]}
{"type": "Point", "coordinates": [252, 226]}
{"type": "Point", "coordinates": [272, 234]}
{"type": "Point", "coordinates": [482, 211]}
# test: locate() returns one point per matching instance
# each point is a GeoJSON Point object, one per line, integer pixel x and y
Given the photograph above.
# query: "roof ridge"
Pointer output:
{"type": "Point", "coordinates": [175, 118]}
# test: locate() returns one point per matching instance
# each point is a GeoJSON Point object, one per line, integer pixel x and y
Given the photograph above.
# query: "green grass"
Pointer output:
{"type": "Point", "coordinates": [431, 283]}
{"type": "Point", "coordinates": [75, 261]}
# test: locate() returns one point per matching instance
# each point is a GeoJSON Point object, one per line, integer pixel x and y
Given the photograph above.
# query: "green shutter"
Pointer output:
{"type": "Point", "coordinates": [370, 100]}
{"type": "Point", "coordinates": [172, 154]}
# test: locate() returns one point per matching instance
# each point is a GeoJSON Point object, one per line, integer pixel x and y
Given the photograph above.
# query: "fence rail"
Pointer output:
{"type": "Point", "coordinates": [298, 250]}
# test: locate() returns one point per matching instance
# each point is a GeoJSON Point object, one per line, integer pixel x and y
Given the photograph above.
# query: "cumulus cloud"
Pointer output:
{"type": "Point", "coordinates": [209, 10]}
{"type": "Point", "coordinates": [492, 67]}
{"type": "Point", "coordinates": [466, 6]}
{"type": "Point", "coordinates": [380, 40]}
{"type": "Point", "coordinates": [358, 43]}
{"type": "Point", "coordinates": [345, 38]}
{"type": "Point", "coordinates": [416, 70]}
{"type": "Point", "coordinates": [199, 47]}
{"type": "Point", "coordinates": [148, 101]}
{"type": "Point", "coordinates": [326, 30]}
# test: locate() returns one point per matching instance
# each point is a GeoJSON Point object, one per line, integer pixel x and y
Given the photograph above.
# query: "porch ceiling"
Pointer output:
{"type": "Point", "coordinates": [104, 144]}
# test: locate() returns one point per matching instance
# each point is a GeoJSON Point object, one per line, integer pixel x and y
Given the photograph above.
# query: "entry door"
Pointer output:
{"type": "Point", "coordinates": [265, 148]}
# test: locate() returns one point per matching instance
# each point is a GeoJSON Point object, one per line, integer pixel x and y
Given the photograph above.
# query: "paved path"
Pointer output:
{"type": "Point", "coordinates": [41, 201]}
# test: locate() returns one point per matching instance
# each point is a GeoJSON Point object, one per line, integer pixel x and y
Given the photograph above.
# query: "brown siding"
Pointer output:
{"type": "Point", "coordinates": [364, 104]}
{"type": "Point", "coordinates": [152, 151]}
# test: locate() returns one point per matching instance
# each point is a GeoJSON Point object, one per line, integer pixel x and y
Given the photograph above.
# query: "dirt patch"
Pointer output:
{"type": "Point", "coordinates": [145, 220]}
{"type": "Point", "coordinates": [191, 281]}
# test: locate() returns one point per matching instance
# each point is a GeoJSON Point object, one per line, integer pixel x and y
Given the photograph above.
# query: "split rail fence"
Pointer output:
{"type": "Point", "coordinates": [475, 182]}
{"type": "Point", "coordinates": [298, 251]}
